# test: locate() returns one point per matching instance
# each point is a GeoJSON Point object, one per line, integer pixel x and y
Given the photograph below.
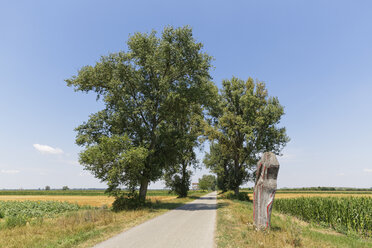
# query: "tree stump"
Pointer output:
{"type": "Point", "coordinates": [264, 190]}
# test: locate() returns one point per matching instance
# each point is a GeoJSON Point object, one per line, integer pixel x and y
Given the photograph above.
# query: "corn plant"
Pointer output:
{"type": "Point", "coordinates": [345, 214]}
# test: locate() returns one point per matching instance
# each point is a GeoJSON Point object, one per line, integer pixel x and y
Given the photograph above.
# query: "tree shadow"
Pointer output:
{"type": "Point", "coordinates": [184, 207]}
{"type": "Point", "coordinates": [275, 228]}
{"type": "Point", "coordinates": [222, 204]}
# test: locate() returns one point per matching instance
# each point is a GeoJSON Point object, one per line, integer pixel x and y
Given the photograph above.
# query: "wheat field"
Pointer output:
{"type": "Point", "coordinates": [95, 201]}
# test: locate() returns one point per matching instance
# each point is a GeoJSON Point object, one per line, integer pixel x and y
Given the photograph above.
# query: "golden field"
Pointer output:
{"type": "Point", "coordinates": [95, 201]}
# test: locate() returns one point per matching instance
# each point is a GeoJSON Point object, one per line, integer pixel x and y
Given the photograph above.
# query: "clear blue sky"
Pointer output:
{"type": "Point", "coordinates": [316, 56]}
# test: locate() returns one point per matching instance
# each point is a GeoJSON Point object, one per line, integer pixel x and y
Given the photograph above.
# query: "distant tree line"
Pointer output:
{"type": "Point", "coordinates": [319, 188]}
{"type": "Point", "coordinates": [161, 105]}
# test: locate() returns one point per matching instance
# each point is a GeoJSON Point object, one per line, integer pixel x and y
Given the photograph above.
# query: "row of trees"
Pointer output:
{"type": "Point", "coordinates": [160, 104]}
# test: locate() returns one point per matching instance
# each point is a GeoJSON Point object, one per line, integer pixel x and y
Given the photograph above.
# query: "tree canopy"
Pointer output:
{"type": "Point", "coordinates": [246, 126]}
{"type": "Point", "coordinates": [207, 182]}
{"type": "Point", "coordinates": [158, 101]}
{"type": "Point", "coordinates": [148, 91]}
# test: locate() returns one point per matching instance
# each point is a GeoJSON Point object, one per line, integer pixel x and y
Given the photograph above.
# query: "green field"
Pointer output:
{"type": "Point", "coordinates": [19, 213]}
{"type": "Point", "coordinates": [344, 214]}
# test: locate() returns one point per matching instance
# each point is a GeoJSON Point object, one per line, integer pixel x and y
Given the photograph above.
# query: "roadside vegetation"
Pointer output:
{"type": "Point", "coordinates": [235, 229]}
{"type": "Point", "coordinates": [60, 224]}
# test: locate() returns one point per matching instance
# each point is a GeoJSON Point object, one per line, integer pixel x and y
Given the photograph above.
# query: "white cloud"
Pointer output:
{"type": "Point", "coordinates": [47, 149]}
{"type": "Point", "coordinates": [368, 170]}
{"type": "Point", "coordinates": [9, 171]}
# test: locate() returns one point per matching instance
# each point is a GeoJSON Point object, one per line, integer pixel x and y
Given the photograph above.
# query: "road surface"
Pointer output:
{"type": "Point", "coordinates": [191, 225]}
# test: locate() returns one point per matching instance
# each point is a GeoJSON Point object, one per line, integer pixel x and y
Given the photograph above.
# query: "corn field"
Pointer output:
{"type": "Point", "coordinates": [344, 214]}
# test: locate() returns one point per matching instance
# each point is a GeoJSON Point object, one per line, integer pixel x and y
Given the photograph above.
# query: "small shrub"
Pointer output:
{"type": "Point", "coordinates": [243, 196]}
{"type": "Point", "coordinates": [126, 203]}
{"type": "Point", "coordinates": [13, 221]}
{"type": "Point", "coordinates": [1, 215]}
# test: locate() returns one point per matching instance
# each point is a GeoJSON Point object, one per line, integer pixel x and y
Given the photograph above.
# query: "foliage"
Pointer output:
{"type": "Point", "coordinates": [47, 187]}
{"type": "Point", "coordinates": [342, 213]}
{"type": "Point", "coordinates": [242, 196]}
{"type": "Point", "coordinates": [219, 164]}
{"type": "Point", "coordinates": [65, 188]}
{"type": "Point", "coordinates": [146, 91]}
{"type": "Point", "coordinates": [179, 183]}
{"type": "Point", "coordinates": [246, 127]}
{"type": "Point", "coordinates": [13, 221]}
{"type": "Point", "coordinates": [207, 182]}
{"type": "Point", "coordinates": [124, 202]}
{"type": "Point", "coordinates": [190, 127]}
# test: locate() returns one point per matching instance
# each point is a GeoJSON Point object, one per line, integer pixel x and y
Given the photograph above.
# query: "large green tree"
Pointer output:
{"type": "Point", "coordinates": [190, 127]}
{"type": "Point", "coordinates": [219, 164]}
{"type": "Point", "coordinates": [207, 182]}
{"type": "Point", "coordinates": [246, 126]}
{"type": "Point", "coordinates": [146, 90]}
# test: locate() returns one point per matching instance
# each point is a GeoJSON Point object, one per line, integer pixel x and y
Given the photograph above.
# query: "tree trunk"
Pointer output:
{"type": "Point", "coordinates": [236, 191]}
{"type": "Point", "coordinates": [184, 183]}
{"type": "Point", "coordinates": [236, 175]}
{"type": "Point", "coordinates": [143, 189]}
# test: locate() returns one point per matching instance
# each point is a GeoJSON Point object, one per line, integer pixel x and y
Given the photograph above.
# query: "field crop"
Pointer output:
{"type": "Point", "coordinates": [53, 192]}
{"type": "Point", "coordinates": [18, 213]}
{"type": "Point", "coordinates": [95, 201]}
{"type": "Point", "coordinates": [35, 208]}
{"type": "Point", "coordinates": [345, 214]}
{"type": "Point", "coordinates": [83, 192]}
{"type": "Point", "coordinates": [296, 194]}
{"type": "Point", "coordinates": [80, 197]}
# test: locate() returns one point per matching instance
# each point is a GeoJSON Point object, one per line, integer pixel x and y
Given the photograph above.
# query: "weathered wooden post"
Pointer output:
{"type": "Point", "coordinates": [264, 190]}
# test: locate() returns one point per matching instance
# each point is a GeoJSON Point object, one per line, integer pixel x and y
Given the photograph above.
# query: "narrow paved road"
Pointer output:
{"type": "Point", "coordinates": [191, 225]}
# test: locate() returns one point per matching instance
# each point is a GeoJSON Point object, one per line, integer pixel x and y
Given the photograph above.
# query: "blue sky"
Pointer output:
{"type": "Point", "coordinates": [316, 56]}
